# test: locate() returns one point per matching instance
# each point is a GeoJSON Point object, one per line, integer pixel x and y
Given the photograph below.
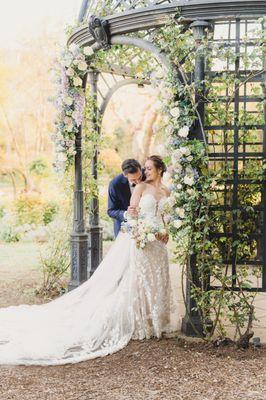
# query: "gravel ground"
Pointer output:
{"type": "Point", "coordinates": [169, 369]}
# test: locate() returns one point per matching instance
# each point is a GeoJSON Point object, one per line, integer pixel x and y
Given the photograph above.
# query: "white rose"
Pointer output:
{"type": "Point", "coordinates": [177, 223]}
{"type": "Point", "coordinates": [69, 127]}
{"type": "Point", "coordinates": [190, 158]}
{"type": "Point", "coordinates": [176, 166]}
{"type": "Point", "coordinates": [71, 151]}
{"type": "Point", "coordinates": [159, 74]}
{"type": "Point", "coordinates": [169, 130]}
{"type": "Point", "coordinates": [67, 62]}
{"type": "Point", "coordinates": [183, 132]}
{"type": "Point", "coordinates": [70, 72]}
{"type": "Point", "coordinates": [82, 66]}
{"type": "Point", "coordinates": [68, 101]}
{"type": "Point", "coordinates": [77, 81]}
{"type": "Point", "coordinates": [189, 180]}
{"type": "Point", "coordinates": [180, 212]}
{"type": "Point", "coordinates": [67, 120]}
{"type": "Point", "coordinates": [190, 192]}
{"type": "Point", "coordinates": [151, 237]}
{"type": "Point", "coordinates": [171, 201]}
{"type": "Point", "coordinates": [185, 151]}
{"type": "Point", "coordinates": [177, 154]}
{"type": "Point", "coordinates": [179, 186]}
{"type": "Point", "coordinates": [87, 50]}
{"type": "Point", "coordinates": [175, 112]}
{"type": "Point", "coordinates": [189, 170]}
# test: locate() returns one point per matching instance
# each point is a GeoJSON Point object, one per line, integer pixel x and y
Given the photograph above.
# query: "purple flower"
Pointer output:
{"type": "Point", "coordinates": [79, 105]}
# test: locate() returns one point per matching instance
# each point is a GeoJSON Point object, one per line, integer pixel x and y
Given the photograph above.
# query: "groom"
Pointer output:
{"type": "Point", "coordinates": [120, 190]}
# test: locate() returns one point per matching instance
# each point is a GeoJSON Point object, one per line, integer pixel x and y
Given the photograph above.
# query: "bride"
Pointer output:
{"type": "Point", "coordinates": [126, 298]}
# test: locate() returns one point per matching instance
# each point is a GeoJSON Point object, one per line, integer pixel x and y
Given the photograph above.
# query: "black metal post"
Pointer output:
{"type": "Point", "coordinates": [79, 238]}
{"type": "Point", "coordinates": [192, 323]}
{"type": "Point", "coordinates": [94, 230]}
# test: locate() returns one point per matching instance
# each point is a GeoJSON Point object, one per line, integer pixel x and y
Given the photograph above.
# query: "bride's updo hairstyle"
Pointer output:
{"type": "Point", "coordinates": [158, 163]}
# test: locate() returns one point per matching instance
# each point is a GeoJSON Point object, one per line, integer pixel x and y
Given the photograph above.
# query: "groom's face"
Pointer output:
{"type": "Point", "coordinates": [134, 178]}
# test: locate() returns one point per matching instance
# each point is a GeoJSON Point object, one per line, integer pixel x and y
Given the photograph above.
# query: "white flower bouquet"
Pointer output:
{"type": "Point", "coordinates": [143, 231]}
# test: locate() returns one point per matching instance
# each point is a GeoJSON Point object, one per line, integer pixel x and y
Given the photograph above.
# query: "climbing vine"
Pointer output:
{"type": "Point", "coordinates": [197, 184]}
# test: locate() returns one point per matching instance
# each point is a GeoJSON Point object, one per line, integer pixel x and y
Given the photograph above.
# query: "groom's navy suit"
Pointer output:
{"type": "Point", "coordinates": [119, 195]}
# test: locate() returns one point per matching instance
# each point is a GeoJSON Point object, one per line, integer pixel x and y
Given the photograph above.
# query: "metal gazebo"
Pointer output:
{"type": "Point", "coordinates": [132, 23]}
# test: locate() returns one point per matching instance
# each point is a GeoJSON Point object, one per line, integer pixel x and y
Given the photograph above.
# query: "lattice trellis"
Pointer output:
{"type": "Point", "coordinates": [231, 146]}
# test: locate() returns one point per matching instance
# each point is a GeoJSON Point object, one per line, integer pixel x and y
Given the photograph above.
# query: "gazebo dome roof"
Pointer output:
{"type": "Point", "coordinates": [197, 8]}
{"type": "Point", "coordinates": [126, 16]}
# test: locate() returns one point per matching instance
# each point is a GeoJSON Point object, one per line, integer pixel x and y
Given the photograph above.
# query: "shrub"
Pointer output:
{"type": "Point", "coordinates": [29, 209]}
{"type": "Point", "coordinates": [2, 211]}
{"type": "Point", "coordinates": [55, 258]}
{"type": "Point", "coordinates": [10, 235]}
{"type": "Point", "coordinates": [49, 212]}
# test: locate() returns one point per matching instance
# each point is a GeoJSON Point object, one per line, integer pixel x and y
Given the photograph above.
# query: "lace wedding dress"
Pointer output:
{"type": "Point", "coordinates": [126, 298]}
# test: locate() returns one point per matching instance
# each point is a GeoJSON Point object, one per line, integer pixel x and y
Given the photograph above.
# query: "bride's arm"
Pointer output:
{"type": "Point", "coordinates": [136, 196]}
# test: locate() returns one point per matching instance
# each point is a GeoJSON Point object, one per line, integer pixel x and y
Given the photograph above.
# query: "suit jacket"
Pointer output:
{"type": "Point", "coordinates": [119, 195]}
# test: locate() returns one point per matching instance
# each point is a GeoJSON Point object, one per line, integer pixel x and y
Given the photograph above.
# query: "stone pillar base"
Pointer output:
{"type": "Point", "coordinates": [192, 326]}
{"type": "Point", "coordinates": [79, 259]}
{"type": "Point", "coordinates": [187, 326]}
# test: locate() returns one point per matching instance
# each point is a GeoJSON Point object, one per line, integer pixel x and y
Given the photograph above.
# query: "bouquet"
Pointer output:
{"type": "Point", "coordinates": [143, 230]}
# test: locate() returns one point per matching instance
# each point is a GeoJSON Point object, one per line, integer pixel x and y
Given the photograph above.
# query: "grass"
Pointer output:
{"type": "Point", "coordinates": [22, 255]}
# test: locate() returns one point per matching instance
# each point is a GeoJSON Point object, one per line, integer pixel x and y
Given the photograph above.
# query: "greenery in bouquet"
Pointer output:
{"type": "Point", "coordinates": [143, 230]}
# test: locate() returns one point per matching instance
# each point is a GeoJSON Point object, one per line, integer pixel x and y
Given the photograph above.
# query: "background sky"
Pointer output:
{"type": "Point", "coordinates": [22, 19]}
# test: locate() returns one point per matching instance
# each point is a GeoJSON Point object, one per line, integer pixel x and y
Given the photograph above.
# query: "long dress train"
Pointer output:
{"type": "Point", "coordinates": [126, 298]}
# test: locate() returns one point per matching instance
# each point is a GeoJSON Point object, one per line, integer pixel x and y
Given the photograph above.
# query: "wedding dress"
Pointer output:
{"type": "Point", "coordinates": [126, 298]}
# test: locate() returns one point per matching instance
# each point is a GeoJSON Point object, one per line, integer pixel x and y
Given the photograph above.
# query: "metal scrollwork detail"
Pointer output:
{"type": "Point", "coordinates": [99, 29]}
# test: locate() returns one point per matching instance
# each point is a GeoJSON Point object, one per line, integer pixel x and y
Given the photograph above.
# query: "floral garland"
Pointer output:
{"type": "Point", "coordinates": [71, 68]}
{"type": "Point", "coordinates": [186, 155]}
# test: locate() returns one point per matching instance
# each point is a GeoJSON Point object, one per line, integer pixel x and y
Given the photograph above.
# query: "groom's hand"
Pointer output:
{"type": "Point", "coordinates": [163, 238]}
{"type": "Point", "coordinates": [132, 211]}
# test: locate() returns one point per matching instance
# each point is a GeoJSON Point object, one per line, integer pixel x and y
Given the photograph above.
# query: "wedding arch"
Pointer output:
{"type": "Point", "coordinates": [208, 64]}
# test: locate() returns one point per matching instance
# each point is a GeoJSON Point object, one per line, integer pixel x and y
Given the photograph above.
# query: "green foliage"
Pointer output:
{"type": "Point", "coordinates": [38, 167]}
{"type": "Point", "coordinates": [10, 235]}
{"type": "Point", "coordinates": [31, 209]}
{"type": "Point", "coordinates": [49, 212]}
{"type": "Point", "coordinates": [2, 211]}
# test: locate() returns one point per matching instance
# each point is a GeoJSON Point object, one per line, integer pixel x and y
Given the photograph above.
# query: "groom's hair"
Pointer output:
{"type": "Point", "coordinates": [130, 166]}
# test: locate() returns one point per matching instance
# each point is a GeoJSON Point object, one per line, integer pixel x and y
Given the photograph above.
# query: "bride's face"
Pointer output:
{"type": "Point", "coordinates": [151, 172]}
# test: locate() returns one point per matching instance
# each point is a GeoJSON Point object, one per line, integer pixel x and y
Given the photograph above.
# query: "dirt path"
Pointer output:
{"type": "Point", "coordinates": [152, 370]}
{"type": "Point", "coordinates": [170, 369]}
